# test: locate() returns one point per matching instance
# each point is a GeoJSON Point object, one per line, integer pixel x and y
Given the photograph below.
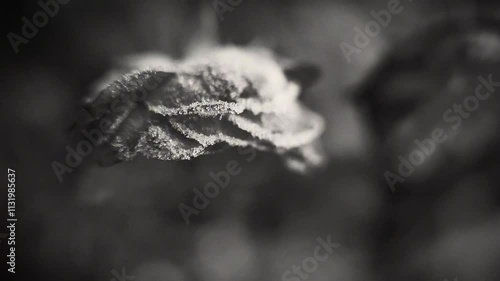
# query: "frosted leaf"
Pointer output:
{"type": "Point", "coordinates": [176, 110]}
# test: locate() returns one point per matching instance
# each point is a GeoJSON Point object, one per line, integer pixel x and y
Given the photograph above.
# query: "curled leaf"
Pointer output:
{"type": "Point", "coordinates": [176, 110]}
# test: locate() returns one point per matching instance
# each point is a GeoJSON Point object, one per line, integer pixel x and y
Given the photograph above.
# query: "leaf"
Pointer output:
{"type": "Point", "coordinates": [177, 110]}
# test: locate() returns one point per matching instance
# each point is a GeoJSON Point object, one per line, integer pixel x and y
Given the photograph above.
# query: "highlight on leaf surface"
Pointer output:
{"type": "Point", "coordinates": [157, 107]}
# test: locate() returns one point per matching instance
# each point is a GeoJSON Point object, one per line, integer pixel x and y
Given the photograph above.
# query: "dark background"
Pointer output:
{"type": "Point", "coordinates": [441, 224]}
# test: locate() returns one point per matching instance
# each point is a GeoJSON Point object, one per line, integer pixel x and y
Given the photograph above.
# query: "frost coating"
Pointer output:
{"type": "Point", "coordinates": [177, 110]}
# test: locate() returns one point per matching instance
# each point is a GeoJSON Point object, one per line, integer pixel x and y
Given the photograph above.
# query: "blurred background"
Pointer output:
{"type": "Point", "coordinates": [442, 222]}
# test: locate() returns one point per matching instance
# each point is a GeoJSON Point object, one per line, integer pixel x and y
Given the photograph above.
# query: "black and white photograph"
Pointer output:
{"type": "Point", "coordinates": [250, 140]}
